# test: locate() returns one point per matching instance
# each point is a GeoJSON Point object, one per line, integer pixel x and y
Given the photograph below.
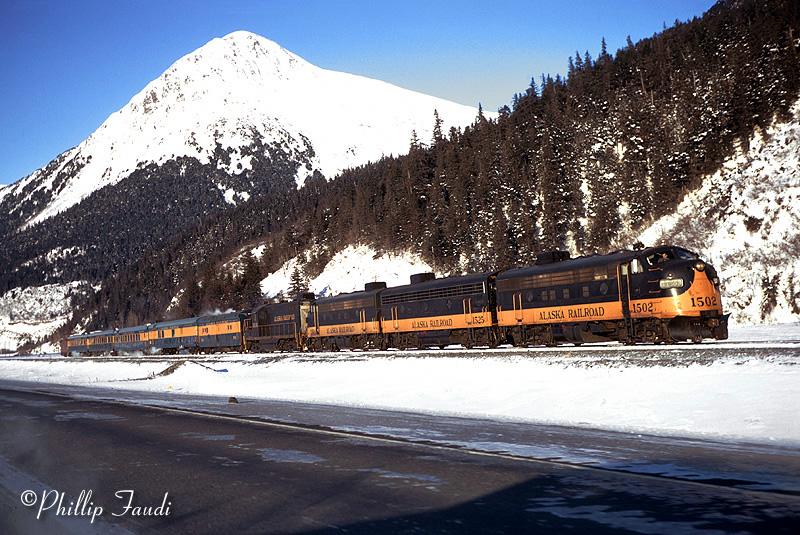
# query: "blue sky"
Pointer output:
{"type": "Point", "coordinates": [67, 65]}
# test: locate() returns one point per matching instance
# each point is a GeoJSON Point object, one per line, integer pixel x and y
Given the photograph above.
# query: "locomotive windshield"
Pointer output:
{"type": "Point", "coordinates": [683, 254]}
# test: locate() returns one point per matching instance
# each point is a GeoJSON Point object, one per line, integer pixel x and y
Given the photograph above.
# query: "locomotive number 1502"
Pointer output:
{"type": "Point", "coordinates": [707, 301]}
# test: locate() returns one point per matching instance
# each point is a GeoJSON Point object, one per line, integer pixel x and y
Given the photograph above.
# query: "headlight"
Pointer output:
{"type": "Point", "coordinates": [666, 284]}
{"type": "Point", "coordinates": [700, 266]}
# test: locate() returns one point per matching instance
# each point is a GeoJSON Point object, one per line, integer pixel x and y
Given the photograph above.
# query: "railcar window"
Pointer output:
{"type": "Point", "coordinates": [584, 291]}
{"type": "Point", "coordinates": [565, 293]}
{"type": "Point", "coordinates": [600, 273]}
{"type": "Point", "coordinates": [544, 295]}
{"type": "Point", "coordinates": [552, 295]}
{"type": "Point", "coordinates": [636, 266]}
{"type": "Point", "coordinates": [562, 278]}
{"type": "Point", "coordinates": [345, 305]}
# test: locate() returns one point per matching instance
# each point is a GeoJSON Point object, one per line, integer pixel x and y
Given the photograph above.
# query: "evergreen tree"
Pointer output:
{"type": "Point", "coordinates": [437, 128]}
{"type": "Point", "coordinates": [298, 283]}
{"type": "Point", "coordinates": [250, 281]}
{"type": "Point", "coordinates": [191, 299]}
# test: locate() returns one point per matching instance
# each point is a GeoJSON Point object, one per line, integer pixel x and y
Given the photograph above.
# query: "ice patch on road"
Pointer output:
{"type": "Point", "coordinates": [289, 456]}
{"type": "Point", "coordinates": [210, 438]}
{"type": "Point", "coordinates": [68, 416]}
{"type": "Point", "coordinates": [420, 478]}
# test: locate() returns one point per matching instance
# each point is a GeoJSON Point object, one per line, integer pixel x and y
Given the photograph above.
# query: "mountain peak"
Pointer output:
{"type": "Point", "coordinates": [237, 94]}
{"type": "Point", "coordinates": [235, 56]}
{"type": "Point", "coordinates": [243, 38]}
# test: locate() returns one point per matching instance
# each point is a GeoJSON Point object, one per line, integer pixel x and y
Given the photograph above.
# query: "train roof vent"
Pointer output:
{"type": "Point", "coordinates": [551, 257]}
{"type": "Point", "coordinates": [370, 286]}
{"type": "Point", "coordinates": [422, 277]}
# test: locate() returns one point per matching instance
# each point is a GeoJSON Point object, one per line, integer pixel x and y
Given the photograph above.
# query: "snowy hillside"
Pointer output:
{"type": "Point", "coordinates": [745, 220]}
{"type": "Point", "coordinates": [32, 314]}
{"type": "Point", "coordinates": [236, 95]}
{"type": "Point", "coordinates": [349, 270]}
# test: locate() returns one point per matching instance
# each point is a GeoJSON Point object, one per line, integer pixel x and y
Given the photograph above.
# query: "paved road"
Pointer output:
{"type": "Point", "coordinates": [225, 475]}
{"type": "Point", "coordinates": [748, 466]}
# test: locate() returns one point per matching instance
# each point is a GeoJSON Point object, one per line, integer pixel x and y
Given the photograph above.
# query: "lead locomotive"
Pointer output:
{"type": "Point", "coordinates": [653, 295]}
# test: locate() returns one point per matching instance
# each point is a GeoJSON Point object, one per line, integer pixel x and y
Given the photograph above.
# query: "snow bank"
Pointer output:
{"type": "Point", "coordinates": [743, 395]}
{"type": "Point", "coordinates": [348, 270]}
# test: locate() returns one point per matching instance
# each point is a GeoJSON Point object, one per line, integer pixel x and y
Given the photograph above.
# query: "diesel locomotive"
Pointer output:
{"type": "Point", "coordinates": [660, 294]}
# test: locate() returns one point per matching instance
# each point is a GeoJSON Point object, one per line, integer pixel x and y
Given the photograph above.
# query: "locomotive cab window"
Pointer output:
{"type": "Point", "coordinates": [660, 257]}
{"type": "Point", "coordinates": [636, 266]}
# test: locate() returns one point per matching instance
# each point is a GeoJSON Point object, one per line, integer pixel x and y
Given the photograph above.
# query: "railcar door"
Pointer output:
{"type": "Point", "coordinates": [467, 304]}
{"type": "Point", "coordinates": [517, 300]}
{"type": "Point", "coordinates": [395, 319]}
{"type": "Point", "coordinates": [362, 316]}
{"type": "Point", "coordinates": [624, 278]}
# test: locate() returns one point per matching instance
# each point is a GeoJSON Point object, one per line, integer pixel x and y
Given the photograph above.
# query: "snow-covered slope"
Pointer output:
{"type": "Point", "coordinates": [745, 220]}
{"type": "Point", "coordinates": [239, 91]}
{"type": "Point", "coordinates": [32, 314]}
{"type": "Point", "coordinates": [349, 270]}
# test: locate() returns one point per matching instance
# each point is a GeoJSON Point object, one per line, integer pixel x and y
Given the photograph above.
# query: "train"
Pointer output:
{"type": "Point", "coordinates": [664, 294]}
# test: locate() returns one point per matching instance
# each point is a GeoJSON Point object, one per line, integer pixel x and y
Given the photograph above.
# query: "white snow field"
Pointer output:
{"type": "Point", "coordinates": [741, 390]}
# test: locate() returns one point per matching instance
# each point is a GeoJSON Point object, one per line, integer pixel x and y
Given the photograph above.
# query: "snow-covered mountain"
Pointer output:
{"type": "Point", "coordinates": [238, 118]}
{"type": "Point", "coordinates": [240, 94]}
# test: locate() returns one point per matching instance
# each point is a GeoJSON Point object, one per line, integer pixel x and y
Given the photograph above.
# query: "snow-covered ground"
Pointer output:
{"type": "Point", "coordinates": [741, 390]}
